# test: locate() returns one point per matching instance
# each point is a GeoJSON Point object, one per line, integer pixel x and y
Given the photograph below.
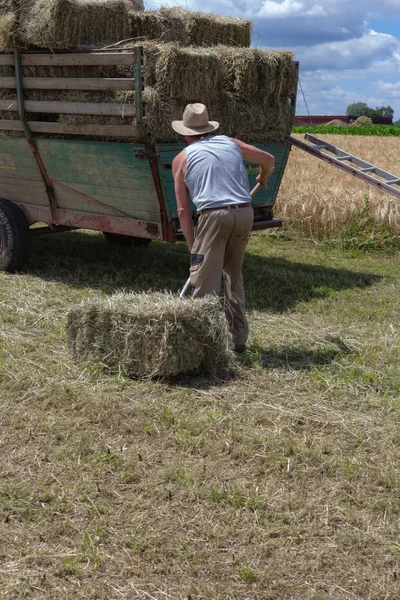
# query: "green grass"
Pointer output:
{"type": "Point", "coordinates": [283, 483]}
{"type": "Point", "coordinates": [382, 130]}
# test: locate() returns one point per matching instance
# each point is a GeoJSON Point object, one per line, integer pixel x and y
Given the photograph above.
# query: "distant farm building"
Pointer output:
{"type": "Point", "coordinates": [320, 119]}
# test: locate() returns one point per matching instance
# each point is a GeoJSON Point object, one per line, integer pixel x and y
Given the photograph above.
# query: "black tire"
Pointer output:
{"type": "Point", "coordinates": [14, 237]}
{"type": "Point", "coordinates": [125, 240]}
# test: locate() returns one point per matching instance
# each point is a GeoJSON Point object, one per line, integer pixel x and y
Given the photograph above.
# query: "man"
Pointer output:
{"type": "Point", "coordinates": [211, 172]}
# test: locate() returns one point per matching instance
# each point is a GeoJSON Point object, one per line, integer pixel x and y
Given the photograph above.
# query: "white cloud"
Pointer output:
{"type": "Point", "coordinates": [290, 8]}
{"type": "Point", "coordinates": [281, 10]}
{"type": "Point", "coordinates": [317, 11]}
{"type": "Point", "coordinates": [356, 53]}
{"type": "Point", "coordinates": [391, 87]}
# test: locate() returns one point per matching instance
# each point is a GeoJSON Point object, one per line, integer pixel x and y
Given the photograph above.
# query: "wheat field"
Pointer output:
{"type": "Point", "coordinates": [320, 200]}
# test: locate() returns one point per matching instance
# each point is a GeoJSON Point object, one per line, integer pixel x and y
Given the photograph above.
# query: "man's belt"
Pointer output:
{"type": "Point", "coordinates": [240, 205]}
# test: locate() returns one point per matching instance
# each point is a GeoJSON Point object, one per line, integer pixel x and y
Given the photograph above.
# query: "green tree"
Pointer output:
{"type": "Point", "coordinates": [358, 109]}
{"type": "Point", "coordinates": [385, 111]}
{"type": "Point", "coordinates": [373, 112]}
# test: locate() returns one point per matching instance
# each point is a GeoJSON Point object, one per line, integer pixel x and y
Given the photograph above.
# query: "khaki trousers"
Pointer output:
{"type": "Point", "coordinates": [219, 246]}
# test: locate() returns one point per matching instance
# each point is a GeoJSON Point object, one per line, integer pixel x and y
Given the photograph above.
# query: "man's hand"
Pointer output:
{"type": "Point", "coordinates": [263, 176]}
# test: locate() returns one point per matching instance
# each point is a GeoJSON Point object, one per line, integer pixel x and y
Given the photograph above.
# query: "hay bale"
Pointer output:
{"type": "Point", "coordinates": [253, 122]}
{"type": "Point", "coordinates": [237, 118]}
{"type": "Point", "coordinates": [207, 29]}
{"type": "Point", "coordinates": [152, 25]}
{"type": "Point", "coordinates": [137, 5]}
{"type": "Point", "coordinates": [184, 73]}
{"type": "Point", "coordinates": [105, 122]}
{"type": "Point", "coordinates": [8, 23]}
{"type": "Point", "coordinates": [251, 73]}
{"type": "Point", "coordinates": [151, 335]}
{"type": "Point", "coordinates": [360, 121]}
{"type": "Point", "coordinates": [246, 90]}
{"type": "Point", "coordinates": [335, 123]}
{"type": "Point", "coordinates": [64, 24]}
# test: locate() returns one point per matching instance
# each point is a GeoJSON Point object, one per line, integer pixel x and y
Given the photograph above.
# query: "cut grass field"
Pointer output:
{"type": "Point", "coordinates": [281, 483]}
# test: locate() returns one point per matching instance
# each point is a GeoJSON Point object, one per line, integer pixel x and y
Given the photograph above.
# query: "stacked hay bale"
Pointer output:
{"type": "Point", "coordinates": [190, 28]}
{"type": "Point", "coordinates": [64, 24]}
{"type": "Point", "coordinates": [189, 57]}
{"type": "Point", "coordinates": [247, 90]}
{"type": "Point", "coordinates": [151, 335]}
{"type": "Point", "coordinates": [8, 23]}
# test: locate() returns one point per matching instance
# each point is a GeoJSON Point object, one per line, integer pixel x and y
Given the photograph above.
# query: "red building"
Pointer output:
{"type": "Point", "coordinates": [320, 119]}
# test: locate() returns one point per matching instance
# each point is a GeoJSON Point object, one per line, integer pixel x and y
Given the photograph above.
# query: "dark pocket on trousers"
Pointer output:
{"type": "Point", "coordinates": [196, 261]}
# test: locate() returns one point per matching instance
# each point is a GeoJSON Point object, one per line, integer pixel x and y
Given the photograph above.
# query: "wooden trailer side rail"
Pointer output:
{"type": "Point", "coordinates": [30, 128]}
{"type": "Point", "coordinates": [20, 83]}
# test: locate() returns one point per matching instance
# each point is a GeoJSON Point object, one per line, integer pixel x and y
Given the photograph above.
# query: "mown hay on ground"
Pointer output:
{"type": "Point", "coordinates": [190, 28]}
{"type": "Point", "coordinates": [151, 335]}
{"type": "Point", "coordinates": [336, 123]}
{"type": "Point", "coordinates": [64, 24]}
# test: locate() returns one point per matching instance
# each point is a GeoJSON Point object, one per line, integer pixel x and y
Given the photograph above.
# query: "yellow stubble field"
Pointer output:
{"type": "Point", "coordinates": [319, 199]}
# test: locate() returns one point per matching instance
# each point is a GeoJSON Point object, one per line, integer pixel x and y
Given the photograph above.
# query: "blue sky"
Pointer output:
{"type": "Point", "coordinates": [349, 50]}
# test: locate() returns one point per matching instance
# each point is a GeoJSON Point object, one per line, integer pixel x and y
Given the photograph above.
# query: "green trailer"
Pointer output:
{"type": "Point", "coordinates": [61, 176]}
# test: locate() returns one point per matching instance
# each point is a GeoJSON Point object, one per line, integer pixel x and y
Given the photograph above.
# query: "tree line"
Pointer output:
{"type": "Point", "coordinates": [360, 109]}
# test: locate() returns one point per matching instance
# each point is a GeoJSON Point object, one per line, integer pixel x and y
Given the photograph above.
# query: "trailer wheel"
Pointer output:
{"type": "Point", "coordinates": [14, 237]}
{"type": "Point", "coordinates": [125, 240]}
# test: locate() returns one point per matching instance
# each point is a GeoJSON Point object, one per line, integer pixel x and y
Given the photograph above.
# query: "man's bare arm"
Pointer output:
{"type": "Point", "coordinates": [182, 198]}
{"type": "Point", "coordinates": [255, 155]}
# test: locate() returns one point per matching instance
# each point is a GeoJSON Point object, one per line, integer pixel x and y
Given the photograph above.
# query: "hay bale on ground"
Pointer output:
{"type": "Point", "coordinates": [151, 335]}
{"type": "Point", "coordinates": [335, 123]}
{"type": "Point", "coordinates": [360, 121]}
{"type": "Point", "coordinates": [63, 24]}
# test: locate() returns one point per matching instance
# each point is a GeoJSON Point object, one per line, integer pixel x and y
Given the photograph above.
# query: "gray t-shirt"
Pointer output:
{"type": "Point", "coordinates": [215, 173]}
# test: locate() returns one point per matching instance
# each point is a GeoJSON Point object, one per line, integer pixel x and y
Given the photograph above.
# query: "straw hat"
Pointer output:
{"type": "Point", "coordinates": [195, 121]}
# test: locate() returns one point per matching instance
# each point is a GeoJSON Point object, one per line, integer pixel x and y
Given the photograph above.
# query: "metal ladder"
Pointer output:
{"type": "Point", "coordinates": [388, 183]}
